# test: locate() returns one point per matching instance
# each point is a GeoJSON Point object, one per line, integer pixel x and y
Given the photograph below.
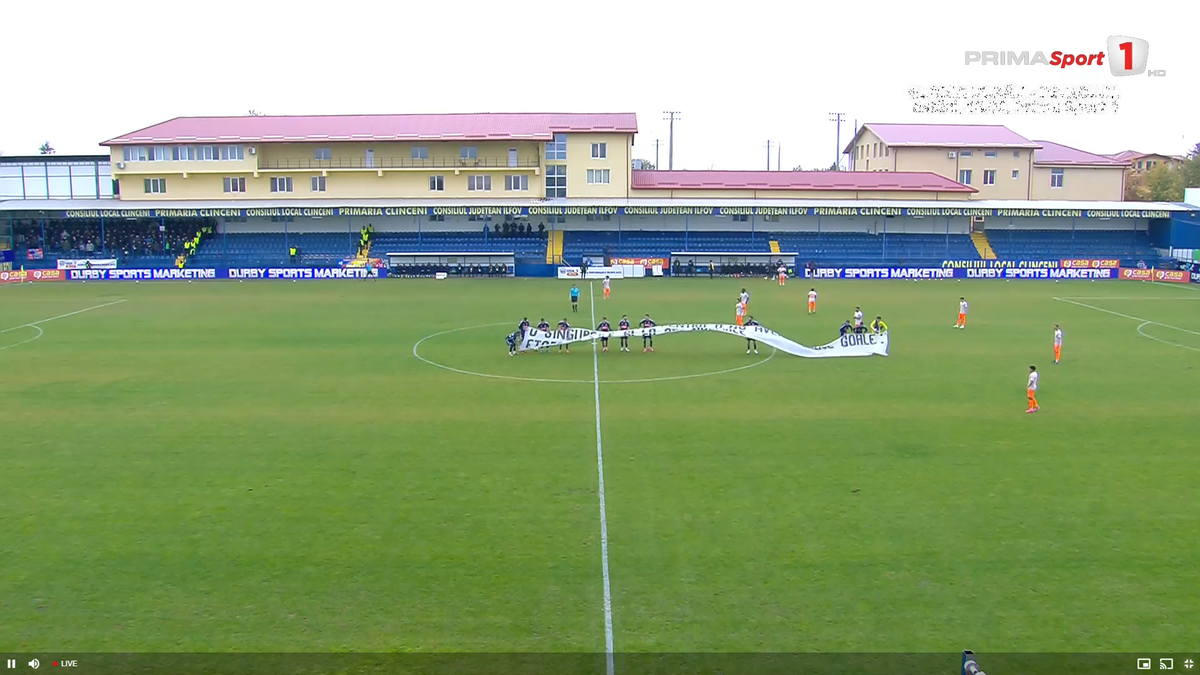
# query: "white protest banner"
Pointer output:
{"type": "Point", "coordinates": [615, 272]}
{"type": "Point", "coordinates": [99, 264]}
{"type": "Point", "coordinates": [861, 344]}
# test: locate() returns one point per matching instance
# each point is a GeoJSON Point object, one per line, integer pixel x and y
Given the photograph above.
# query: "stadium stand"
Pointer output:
{"type": "Point", "coordinates": [1128, 245]}
{"type": "Point", "coordinates": [147, 247]}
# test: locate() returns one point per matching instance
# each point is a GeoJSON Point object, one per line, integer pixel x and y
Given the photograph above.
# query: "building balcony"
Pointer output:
{"type": "Point", "coordinates": [396, 163]}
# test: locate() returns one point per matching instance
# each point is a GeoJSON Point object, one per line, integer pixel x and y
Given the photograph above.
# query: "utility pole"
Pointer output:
{"type": "Point", "coordinates": [656, 144]}
{"type": "Point", "coordinates": [779, 156]}
{"type": "Point", "coordinates": [768, 155]}
{"type": "Point", "coordinates": [837, 158]}
{"type": "Point", "coordinates": [671, 116]}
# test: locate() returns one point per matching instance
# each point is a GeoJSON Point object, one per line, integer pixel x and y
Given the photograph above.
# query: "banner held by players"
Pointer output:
{"type": "Point", "coordinates": [861, 344]}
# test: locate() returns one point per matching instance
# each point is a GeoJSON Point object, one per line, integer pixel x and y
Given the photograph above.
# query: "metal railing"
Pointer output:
{"type": "Point", "coordinates": [266, 163]}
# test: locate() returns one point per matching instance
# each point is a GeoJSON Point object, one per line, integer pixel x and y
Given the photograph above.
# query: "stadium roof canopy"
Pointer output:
{"type": "Point", "coordinates": [372, 128]}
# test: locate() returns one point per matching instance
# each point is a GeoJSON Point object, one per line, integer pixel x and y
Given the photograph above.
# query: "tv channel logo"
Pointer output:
{"type": "Point", "coordinates": [1128, 56]}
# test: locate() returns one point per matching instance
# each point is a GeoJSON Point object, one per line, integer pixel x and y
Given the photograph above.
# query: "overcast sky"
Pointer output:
{"type": "Point", "coordinates": [741, 73]}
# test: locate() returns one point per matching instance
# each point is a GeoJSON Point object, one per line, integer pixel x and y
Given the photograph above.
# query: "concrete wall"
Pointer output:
{"type": "Point", "coordinates": [871, 154]}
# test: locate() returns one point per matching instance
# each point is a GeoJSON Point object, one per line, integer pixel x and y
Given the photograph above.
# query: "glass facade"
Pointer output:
{"type": "Point", "coordinates": [50, 177]}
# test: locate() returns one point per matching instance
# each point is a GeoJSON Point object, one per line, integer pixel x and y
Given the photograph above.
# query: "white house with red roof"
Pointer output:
{"type": "Point", "coordinates": [998, 162]}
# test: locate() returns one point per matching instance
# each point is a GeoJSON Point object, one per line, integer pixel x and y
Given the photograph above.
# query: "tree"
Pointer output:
{"type": "Point", "coordinates": [832, 167]}
{"type": "Point", "coordinates": [1191, 168]}
{"type": "Point", "coordinates": [797, 168]}
{"type": "Point", "coordinates": [1136, 189]}
{"type": "Point", "coordinates": [647, 165]}
{"type": "Point", "coordinates": [253, 113]}
{"type": "Point", "coordinates": [1165, 184]}
{"type": "Point", "coordinates": [46, 149]}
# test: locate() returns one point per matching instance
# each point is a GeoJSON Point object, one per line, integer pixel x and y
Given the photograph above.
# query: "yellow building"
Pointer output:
{"type": "Point", "coordinates": [1143, 161]}
{"type": "Point", "coordinates": [999, 163]}
{"type": "Point", "coordinates": [478, 156]}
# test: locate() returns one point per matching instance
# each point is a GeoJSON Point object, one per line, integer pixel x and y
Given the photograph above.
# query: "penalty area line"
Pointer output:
{"type": "Point", "coordinates": [62, 316]}
{"type": "Point", "coordinates": [1145, 322]}
{"type": "Point", "coordinates": [608, 620]}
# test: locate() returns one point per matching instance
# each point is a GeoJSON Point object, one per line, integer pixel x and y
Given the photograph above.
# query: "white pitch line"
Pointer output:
{"type": "Point", "coordinates": [1165, 342]}
{"type": "Point", "coordinates": [1097, 297]}
{"type": "Point", "coordinates": [1145, 322]}
{"type": "Point", "coordinates": [18, 344]}
{"type": "Point", "coordinates": [63, 316]}
{"type": "Point", "coordinates": [608, 620]}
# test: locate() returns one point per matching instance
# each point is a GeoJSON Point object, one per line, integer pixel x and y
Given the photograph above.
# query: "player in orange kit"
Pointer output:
{"type": "Point", "coordinates": [962, 313]}
{"type": "Point", "coordinates": [812, 301]}
{"type": "Point", "coordinates": [739, 311]}
{"type": "Point", "coordinates": [1057, 344]}
{"type": "Point", "coordinates": [1031, 390]}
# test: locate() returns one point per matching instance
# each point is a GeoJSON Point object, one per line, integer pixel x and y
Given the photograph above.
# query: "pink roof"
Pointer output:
{"type": "Point", "coordinates": [1123, 156]}
{"type": "Point", "coordinates": [350, 128]}
{"type": "Point", "coordinates": [796, 180]}
{"type": "Point", "coordinates": [1059, 154]}
{"type": "Point", "coordinates": [946, 136]}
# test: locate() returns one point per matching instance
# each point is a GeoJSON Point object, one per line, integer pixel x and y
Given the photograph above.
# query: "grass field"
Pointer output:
{"type": "Point", "coordinates": [268, 467]}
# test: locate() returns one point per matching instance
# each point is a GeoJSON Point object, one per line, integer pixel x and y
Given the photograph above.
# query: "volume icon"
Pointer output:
{"type": "Point", "coordinates": [34, 664]}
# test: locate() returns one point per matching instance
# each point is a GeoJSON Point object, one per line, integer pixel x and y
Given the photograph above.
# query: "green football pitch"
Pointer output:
{"type": "Point", "coordinates": [359, 466]}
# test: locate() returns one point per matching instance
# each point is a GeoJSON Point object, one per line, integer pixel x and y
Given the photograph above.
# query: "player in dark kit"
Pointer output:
{"type": "Point", "coordinates": [512, 343]}
{"type": "Point", "coordinates": [846, 328]}
{"type": "Point", "coordinates": [523, 327]}
{"type": "Point", "coordinates": [647, 322]}
{"type": "Point", "coordinates": [623, 324]}
{"type": "Point", "coordinates": [604, 327]}
{"type": "Point", "coordinates": [544, 326]}
{"type": "Point", "coordinates": [751, 344]}
{"type": "Point", "coordinates": [563, 327]}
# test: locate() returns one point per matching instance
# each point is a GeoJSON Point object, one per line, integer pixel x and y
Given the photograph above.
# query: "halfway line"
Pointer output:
{"type": "Point", "coordinates": [608, 620]}
{"type": "Point", "coordinates": [63, 316]}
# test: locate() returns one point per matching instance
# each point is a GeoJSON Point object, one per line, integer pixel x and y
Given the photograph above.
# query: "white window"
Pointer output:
{"type": "Point", "coordinates": [556, 181]}
{"type": "Point", "coordinates": [323, 154]}
{"type": "Point", "coordinates": [207, 153]}
{"type": "Point", "coordinates": [232, 153]}
{"type": "Point", "coordinates": [437, 218]}
{"type": "Point", "coordinates": [741, 218]}
{"type": "Point", "coordinates": [235, 184]}
{"type": "Point", "coordinates": [887, 151]}
{"type": "Point", "coordinates": [597, 176]}
{"type": "Point", "coordinates": [964, 176]}
{"type": "Point", "coordinates": [599, 217]}
{"type": "Point", "coordinates": [989, 176]}
{"type": "Point", "coordinates": [965, 153]}
{"type": "Point", "coordinates": [990, 153]}
{"type": "Point", "coordinates": [516, 183]}
{"type": "Point", "coordinates": [281, 184]}
{"type": "Point", "coordinates": [318, 183]}
{"type": "Point", "coordinates": [1016, 174]}
{"type": "Point", "coordinates": [479, 183]}
{"type": "Point", "coordinates": [557, 148]}
{"type": "Point", "coordinates": [599, 150]}
{"type": "Point", "coordinates": [135, 154]}
{"type": "Point", "coordinates": [160, 153]}
{"type": "Point", "coordinates": [468, 152]}
{"type": "Point", "coordinates": [184, 153]}
{"type": "Point", "coordinates": [419, 152]}
{"type": "Point", "coordinates": [156, 186]}
{"type": "Point", "coordinates": [1016, 154]}
{"type": "Point", "coordinates": [437, 183]}
{"type": "Point", "coordinates": [1056, 178]}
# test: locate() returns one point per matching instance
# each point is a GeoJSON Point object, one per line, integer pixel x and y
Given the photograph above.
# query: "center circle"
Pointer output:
{"type": "Point", "coordinates": [493, 376]}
